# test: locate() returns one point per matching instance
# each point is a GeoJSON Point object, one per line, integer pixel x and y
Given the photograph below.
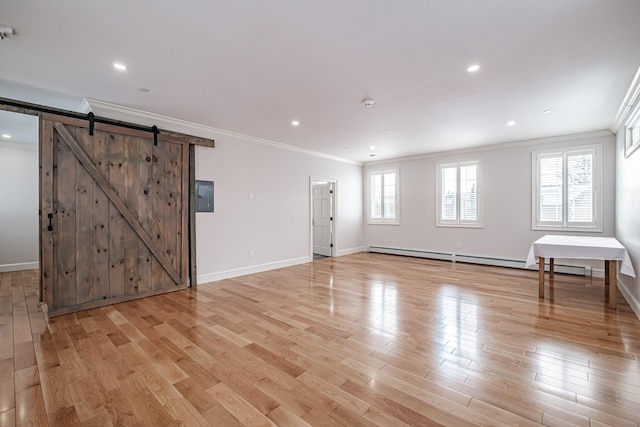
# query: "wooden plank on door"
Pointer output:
{"type": "Point", "coordinates": [101, 250]}
{"type": "Point", "coordinates": [116, 221]}
{"type": "Point", "coordinates": [145, 210]}
{"type": "Point", "coordinates": [131, 240]}
{"type": "Point", "coordinates": [159, 196]}
{"type": "Point", "coordinates": [172, 208]}
{"type": "Point", "coordinates": [84, 224]}
{"type": "Point", "coordinates": [47, 265]}
{"type": "Point", "coordinates": [168, 136]}
{"type": "Point", "coordinates": [65, 290]}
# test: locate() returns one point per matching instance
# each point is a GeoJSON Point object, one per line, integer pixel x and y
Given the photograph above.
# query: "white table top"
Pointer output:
{"type": "Point", "coordinates": [585, 247]}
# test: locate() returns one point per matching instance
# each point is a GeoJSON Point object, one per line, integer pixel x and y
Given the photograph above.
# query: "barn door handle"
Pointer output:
{"type": "Point", "coordinates": [50, 227]}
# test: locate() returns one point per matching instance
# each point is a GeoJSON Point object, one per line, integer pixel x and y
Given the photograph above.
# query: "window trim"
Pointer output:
{"type": "Point", "coordinates": [382, 171]}
{"type": "Point", "coordinates": [596, 227]}
{"type": "Point", "coordinates": [479, 223]}
{"type": "Point", "coordinates": [632, 132]}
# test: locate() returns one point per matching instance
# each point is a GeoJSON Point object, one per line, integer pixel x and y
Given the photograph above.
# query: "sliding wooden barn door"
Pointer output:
{"type": "Point", "coordinates": [115, 210]}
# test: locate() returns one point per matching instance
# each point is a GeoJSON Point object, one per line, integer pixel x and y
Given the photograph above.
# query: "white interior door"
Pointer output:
{"type": "Point", "coordinates": [322, 218]}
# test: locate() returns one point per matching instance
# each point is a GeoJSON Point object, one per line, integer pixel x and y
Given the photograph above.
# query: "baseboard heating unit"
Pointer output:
{"type": "Point", "coordinates": [474, 259]}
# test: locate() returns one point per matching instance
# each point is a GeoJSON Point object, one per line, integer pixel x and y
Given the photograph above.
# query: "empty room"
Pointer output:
{"type": "Point", "coordinates": [293, 213]}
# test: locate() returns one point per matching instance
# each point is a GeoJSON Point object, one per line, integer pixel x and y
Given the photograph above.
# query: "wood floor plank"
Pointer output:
{"type": "Point", "coordinates": [8, 419]}
{"type": "Point", "coordinates": [284, 418]}
{"type": "Point", "coordinates": [360, 340]}
{"type": "Point", "coordinates": [30, 407]}
{"type": "Point", "coordinates": [56, 391]}
{"type": "Point", "coordinates": [239, 407]}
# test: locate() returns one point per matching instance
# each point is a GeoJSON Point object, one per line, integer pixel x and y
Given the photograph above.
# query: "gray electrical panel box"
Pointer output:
{"type": "Point", "coordinates": [204, 196]}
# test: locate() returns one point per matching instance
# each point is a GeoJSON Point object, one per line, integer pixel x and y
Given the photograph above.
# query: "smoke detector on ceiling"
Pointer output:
{"type": "Point", "coordinates": [368, 102]}
{"type": "Point", "coordinates": [5, 31]}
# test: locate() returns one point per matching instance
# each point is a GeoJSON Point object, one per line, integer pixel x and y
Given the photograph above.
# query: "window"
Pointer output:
{"type": "Point", "coordinates": [383, 197]}
{"type": "Point", "coordinates": [566, 189]}
{"type": "Point", "coordinates": [458, 194]}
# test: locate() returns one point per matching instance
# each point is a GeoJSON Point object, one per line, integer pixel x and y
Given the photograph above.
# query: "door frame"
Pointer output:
{"type": "Point", "coordinates": [334, 208]}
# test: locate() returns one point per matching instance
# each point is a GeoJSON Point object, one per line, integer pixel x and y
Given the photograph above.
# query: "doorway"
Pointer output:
{"type": "Point", "coordinates": [18, 192]}
{"type": "Point", "coordinates": [322, 218]}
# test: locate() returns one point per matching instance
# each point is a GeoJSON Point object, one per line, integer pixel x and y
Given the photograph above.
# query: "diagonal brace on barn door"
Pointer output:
{"type": "Point", "coordinates": [88, 165]}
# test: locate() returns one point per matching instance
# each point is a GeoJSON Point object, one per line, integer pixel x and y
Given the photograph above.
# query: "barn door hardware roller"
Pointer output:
{"type": "Point", "coordinates": [91, 117]}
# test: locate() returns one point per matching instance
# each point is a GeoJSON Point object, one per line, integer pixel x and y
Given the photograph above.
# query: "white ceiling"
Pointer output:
{"type": "Point", "coordinates": [253, 66]}
{"type": "Point", "coordinates": [20, 128]}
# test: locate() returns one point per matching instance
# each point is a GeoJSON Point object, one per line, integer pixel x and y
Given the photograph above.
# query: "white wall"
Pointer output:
{"type": "Point", "coordinates": [628, 217]}
{"type": "Point", "coordinates": [275, 225]}
{"type": "Point", "coordinates": [507, 231]}
{"type": "Point", "coordinates": [18, 206]}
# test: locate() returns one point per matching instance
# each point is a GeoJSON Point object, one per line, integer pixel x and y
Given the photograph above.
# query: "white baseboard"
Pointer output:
{"type": "Point", "coordinates": [4, 268]}
{"type": "Point", "coordinates": [633, 302]}
{"type": "Point", "coordinates": [228, 274]}
{"type": "Point", "coordinates": [474, 259]}
{"type": "Point", "coordinates": [349, 251]}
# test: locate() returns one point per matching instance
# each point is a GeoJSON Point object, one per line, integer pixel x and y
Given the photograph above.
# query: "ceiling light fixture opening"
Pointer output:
{"type": "Point", "coordinates": [511, 123]}
{"type": "Point", "coordinates": [546, 111]}
{"type": "Point", "coordinates": [368, 102]}
{"type": "Point", "coordinates": [473, 68]}
{"type": "Point", "coordinates": [119, 66]}
{"type": "Point", "coordinates": [295, 123]}
{"type": "Point", "coordinates": [5, 32]}
{"type": "Point", "coordinates": [6, 136]}
{"type": "Point", "coordinates": [372, 147]}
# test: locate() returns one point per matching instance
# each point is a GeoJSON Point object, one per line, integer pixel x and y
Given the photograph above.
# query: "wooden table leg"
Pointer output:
{"type": "Point", "coordinates": [541, 277]}
{"type": "Point", "coordinates": [613, 284]}
{"type": "Point", "coordinates": [606, 281]}
{"type": "Point", "coordinates": [551, 264]}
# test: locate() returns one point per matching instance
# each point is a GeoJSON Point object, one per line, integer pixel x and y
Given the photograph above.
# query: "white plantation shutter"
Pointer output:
{"type": "Point", "coordinates": [449, 198]}
{"type": "Point", "coordinates": [580, 203]}
{"type": "Point", "coordinates": [458, 194]}
{"type": "Point", "coordinates": [550, 198]}
{"type": "Point", "coordinates": [468, 193]}
{"type": "Point", "coordinates": [390, 195]}
{"type": "Point", "coordinates": [376, 196]}
{"type": "Point", "coordinates": [383, 196]}
{"type": "Point", "coordinates": [566, 188]}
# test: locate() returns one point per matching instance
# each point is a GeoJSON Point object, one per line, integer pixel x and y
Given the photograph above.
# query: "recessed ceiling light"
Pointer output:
{"type": "Point", "coordinates": [6, 136]}
{"type": "Point", "coordinates": [546, 111]}
{"type": "Point", "coordinates": [473, 68]}
{"type": "Point", "coordinates": [372, 147]}
{"type": "Point", "coordinates": [295, 123]}
{"type": "Point", "coordinates": [511, 123]}
{"type": "Point", "coordinates": [119, 66]}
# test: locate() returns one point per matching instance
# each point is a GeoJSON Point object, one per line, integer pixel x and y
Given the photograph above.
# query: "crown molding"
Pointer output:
{"type": "Point", "coordinates": [630, 105]}
{"type": "Point", "coordinates": [493, 147]}
{"type": "Point", "coordinates": [132, 115]}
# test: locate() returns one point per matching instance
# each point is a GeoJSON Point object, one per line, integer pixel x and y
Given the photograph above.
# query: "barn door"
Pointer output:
{"type": "Point", "coordinates": [114, 214]}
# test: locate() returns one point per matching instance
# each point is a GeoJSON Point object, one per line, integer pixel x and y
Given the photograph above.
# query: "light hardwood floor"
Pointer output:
{"type": "Point", "coordinates": [364, 339]}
